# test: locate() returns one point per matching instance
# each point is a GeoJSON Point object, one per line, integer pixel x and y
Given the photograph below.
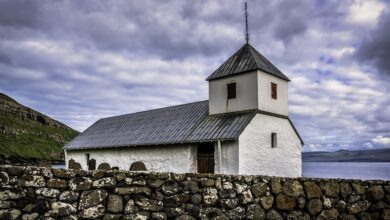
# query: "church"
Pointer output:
{"type": "Point", "coordinates": [244, 128]}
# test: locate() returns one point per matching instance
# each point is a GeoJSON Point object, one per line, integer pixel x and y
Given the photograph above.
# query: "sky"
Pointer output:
{"type": "Point", "coordinates": [79, 61]}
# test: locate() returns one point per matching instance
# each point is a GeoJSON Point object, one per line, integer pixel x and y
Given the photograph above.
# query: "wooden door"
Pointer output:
{"type": "Point", "coordinates": [205, 157]}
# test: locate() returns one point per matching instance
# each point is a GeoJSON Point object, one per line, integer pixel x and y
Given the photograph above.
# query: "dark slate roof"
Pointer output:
{"type": "Point", "coordinates": [176, 124]}
{"type": "Point", "coordinates": [244, 60]}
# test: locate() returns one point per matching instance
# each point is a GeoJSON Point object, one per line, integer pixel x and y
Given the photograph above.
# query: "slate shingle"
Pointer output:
{"type": "Point", "coordinates": [176, 124]}
{"type": "Point", "coordinates": [244, 60]}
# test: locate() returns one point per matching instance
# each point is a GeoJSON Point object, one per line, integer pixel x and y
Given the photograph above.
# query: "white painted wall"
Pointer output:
{"type": "Point", "coordinates": [229, 153]}
{"type": "Point", "coordinates": [253, 92]}
{"type": "Point", "coordinates": [173, 158]}
{"type": "Point", "coordinates": [246, 94]}
{"type": "Point", "coordinates": [265, 101]}
{"type": "Point", "coordinates": [257, 157]}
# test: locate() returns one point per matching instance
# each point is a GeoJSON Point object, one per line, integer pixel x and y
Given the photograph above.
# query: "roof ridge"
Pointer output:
{"type": "Point", "coordinates": [244, 60]}
{"type": "Point", "coordinates": [155, 109]}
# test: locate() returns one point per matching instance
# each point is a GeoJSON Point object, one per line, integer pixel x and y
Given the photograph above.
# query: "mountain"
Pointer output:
{"type": "Point", "coordinates": [378, 155]}
{"type": "Point", "coordinates": [29, 134]}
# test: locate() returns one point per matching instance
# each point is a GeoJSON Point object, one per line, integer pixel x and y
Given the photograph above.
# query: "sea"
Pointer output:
{"type": "Point", "coordinates": [344, 170]}
{"type": "Point", "coordinates": [347, 170]}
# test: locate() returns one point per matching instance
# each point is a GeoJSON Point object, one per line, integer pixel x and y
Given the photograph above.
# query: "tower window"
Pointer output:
{"type": "Point", "coordinates": [274, 90]}
{"type": "Point", "coordinates": [231, 90]}
{"type": "Point", "coordinates": [273, 140]}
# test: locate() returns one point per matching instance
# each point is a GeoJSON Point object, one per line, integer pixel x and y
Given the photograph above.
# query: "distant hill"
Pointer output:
{"type": "Point", "coordinates": [379, 155]}
{"type": "Point", "coordinates": [26, 133]}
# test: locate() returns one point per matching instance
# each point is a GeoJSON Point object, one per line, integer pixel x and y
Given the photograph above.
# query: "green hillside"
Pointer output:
{"type": "Point", "coordinates": [27, 133]}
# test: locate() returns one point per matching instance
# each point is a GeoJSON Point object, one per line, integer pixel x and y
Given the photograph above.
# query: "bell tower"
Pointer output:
{"type": "Point", "coordinates": [248, 81]}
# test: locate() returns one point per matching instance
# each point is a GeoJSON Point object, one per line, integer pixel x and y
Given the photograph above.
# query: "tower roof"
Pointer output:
{"type": "Point", "coordinates": [244, 60]}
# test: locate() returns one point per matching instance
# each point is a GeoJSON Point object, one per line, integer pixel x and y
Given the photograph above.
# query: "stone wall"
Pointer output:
{"type": "Point", "coordinates": [43, 193]}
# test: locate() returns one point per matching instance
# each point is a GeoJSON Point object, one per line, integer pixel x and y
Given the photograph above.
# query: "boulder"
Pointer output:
{"type": "Point", "coordinates": [191, 186]}
{"type": "Point", "coordinates": [80, 184]}
{"type": "Point", "coordinates": [314, 206]}
{"type": "Point", "coordinates": [276, 185]}
{"type": "Point", "coordinates": [9, 214]}
{"type": "Point", "coordinates": [331, 214]}
{"type": "Point", "coordinates": [196, 198]}
{"type": "Point", "coordinates": [185, 217]}
{"type": "Point", "coordinates": [170, 189]}
{"type": "Point", "coordinates": [92, 212]}
{"type": "Point", "coordinates": [259, 189]}
{"type": "Point", "coordinates": [227, 193]}
{"type": "Point", "coordinates": [254, 211]}
{"type": "Point", "coordinates": [129, 208]}
{"type": "Point", "coordinates": [284, 202]}
{"type": "Point", "coordinates": [246, 197]}
{"type": "Point", "coordinates": [150, 204]}
{"type": "Point", "coordinates": [12, 193]}
{"type": "Point", "coordinates": [376, 193]}
{"type": "Point", "coordinates": [267, 202]}
{"type": "Point", "coordinates": [157, 183]}
{"type": "Point", "coordinates": [274, 215]}
{"type": "Point", "coordinates": [236, 213]}
{"type": "Point", "coordinates": [228, 203]}
{"type": "Point", "coordinates": [135, 190]}
{"type": "Point", "coordinates": [62, 173]}
{"type": "Point", "coordinates": [63, 209]}
{"type": "Point", "coordinates": [331, 188]}
{"type": "Point", "coordinates": [4, 179]}
{"type": "Point", "coordinates": [293, 188]}
{"type": "Point", "coordinates": [345, 190]}
{"type": "Point", "coordinates": [56, 183]}
{"type": "Point", "coordinates": [92, 198]}
{"type": "Point", "coordinates": [312, 190]}
{"type": "Point", "coordinates": [115, 203]}
{"type": "Point", "coordinates": [207, 182]}
{"type": "Point", "coordinates": [32, 216]}
{"type": "Point", "coordinates": [210, 196]}
{"type": "Point", "coordinates": [47, 192]}
{"type": "Point", "coordinates": [358, 207]}
{"type": "Point", "coordinates": [31, 181]}
{"type": "Point", "coordinates": [108, 182]}
{"type": "Point", "coordinates": [69, 196]}
{"type": "Point", "coordinates": [159, 216]}
{"type": "Point", "coordinates": [359, 189]}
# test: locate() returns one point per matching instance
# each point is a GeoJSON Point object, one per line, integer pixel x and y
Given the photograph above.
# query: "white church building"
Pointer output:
{"type": "Point", "coordinates": [243, 128]}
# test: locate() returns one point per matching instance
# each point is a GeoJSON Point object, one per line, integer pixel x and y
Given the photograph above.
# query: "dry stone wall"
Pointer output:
{"type": "Point", "coordinates": [30, 193]}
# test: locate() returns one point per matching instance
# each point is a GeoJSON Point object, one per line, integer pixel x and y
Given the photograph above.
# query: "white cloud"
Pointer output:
{"type": "Point", "coordinates": [365, 11]}
{"type": "Point", "coordinates": [380, 139]}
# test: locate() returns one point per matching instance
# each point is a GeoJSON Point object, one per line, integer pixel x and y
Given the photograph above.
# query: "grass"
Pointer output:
{"type": "Point", "coordinates": [33, 139]}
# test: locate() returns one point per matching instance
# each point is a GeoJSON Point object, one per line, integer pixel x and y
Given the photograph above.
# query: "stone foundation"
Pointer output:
{"type": "Point", "coordinates": [43, 193]}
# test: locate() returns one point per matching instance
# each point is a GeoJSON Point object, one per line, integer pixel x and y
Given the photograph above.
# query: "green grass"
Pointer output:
{"type": "Point", "coordinates": [34, 139]}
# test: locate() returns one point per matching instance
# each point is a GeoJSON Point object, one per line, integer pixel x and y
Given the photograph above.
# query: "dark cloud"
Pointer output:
{"type": "Point", "coordinates": [81, 61]}
{"type": "Point", "coordinates": [375, 49]}
{"type": "Point", "coordinates": [20, 13]}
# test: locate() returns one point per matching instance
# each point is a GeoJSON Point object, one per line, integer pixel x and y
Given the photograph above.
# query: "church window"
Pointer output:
{"type": "Point", "coordinates": [231, 90]}
{"type": "Point", "coordinates": [273, 140]}
{"type": "Point", "coordinates": [274, 90]}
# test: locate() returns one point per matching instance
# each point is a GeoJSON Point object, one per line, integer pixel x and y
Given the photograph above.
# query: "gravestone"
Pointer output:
{"type": "Point", "coordinates": [71, 164]}
{"type": "Point", "coordinates": [92, 164]}
{"type": "Point", "coordinates": [77, 166]}
{"type": "Point", "coordinates": [104, 166]}
{"type": "Point", "coordinates": [138, 166]}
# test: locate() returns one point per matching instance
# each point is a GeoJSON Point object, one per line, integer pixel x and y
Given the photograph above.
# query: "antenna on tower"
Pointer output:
{"type": "Point", "coordinates": [246, 23]}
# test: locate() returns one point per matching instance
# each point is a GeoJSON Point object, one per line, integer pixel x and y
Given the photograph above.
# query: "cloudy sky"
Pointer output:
{"type": "Point", "coordinates": [78, 61]}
